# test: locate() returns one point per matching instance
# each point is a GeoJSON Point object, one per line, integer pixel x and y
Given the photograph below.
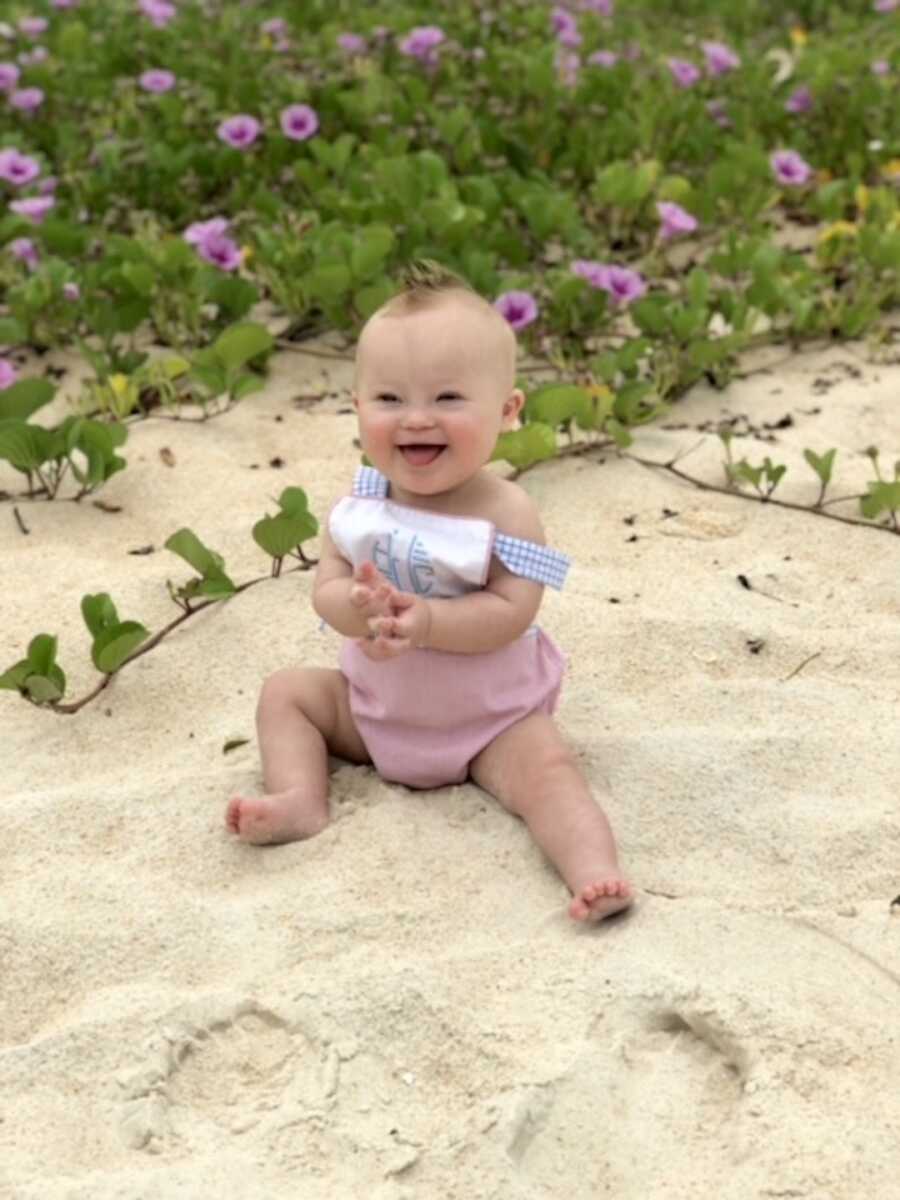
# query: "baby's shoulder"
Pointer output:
{"type": "Point", "coordinates": [514, 512]}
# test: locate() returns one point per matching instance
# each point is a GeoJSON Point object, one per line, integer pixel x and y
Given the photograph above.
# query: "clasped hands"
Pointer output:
{"type": "Point", "coordinates": [398, 621]}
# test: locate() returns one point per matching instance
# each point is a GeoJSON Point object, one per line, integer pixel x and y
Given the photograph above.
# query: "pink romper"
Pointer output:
{"type": "Point", "coordinates": [426, 714]}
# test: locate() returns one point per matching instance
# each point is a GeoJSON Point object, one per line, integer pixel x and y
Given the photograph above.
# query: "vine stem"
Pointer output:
{"type": "Point", "coordinates": [75, 705]}
{"type": "Point", "coordinates": [818, 510]}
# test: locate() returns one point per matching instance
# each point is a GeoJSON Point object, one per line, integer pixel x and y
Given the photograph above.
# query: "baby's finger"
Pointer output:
{"type": "Point", "coordinates": [360, 595]}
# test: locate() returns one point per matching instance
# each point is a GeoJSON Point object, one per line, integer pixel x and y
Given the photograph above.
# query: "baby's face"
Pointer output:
{"type": "Point", "coordinates": [434, 389]}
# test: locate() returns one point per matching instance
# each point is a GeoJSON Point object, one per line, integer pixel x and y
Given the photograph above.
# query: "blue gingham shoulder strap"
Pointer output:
{"type": "Point", "coordinates": [531, 560]}
{"type": "Point", "coordinates": [369, 482]}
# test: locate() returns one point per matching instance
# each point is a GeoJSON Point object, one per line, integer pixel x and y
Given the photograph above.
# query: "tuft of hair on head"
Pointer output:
{"type": "Point", "coordinates": [424, 281]}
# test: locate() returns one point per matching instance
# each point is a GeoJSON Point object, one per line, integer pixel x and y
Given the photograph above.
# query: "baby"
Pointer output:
{"type": "Point", "coordinates": [433, 571]}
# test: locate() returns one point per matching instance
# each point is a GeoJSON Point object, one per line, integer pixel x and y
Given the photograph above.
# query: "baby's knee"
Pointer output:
{"type": "Point", "coordinates": [280, 689]}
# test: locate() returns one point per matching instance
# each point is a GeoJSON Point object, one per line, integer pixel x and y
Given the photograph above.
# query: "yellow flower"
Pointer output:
{"type": "Point", "coordinates": [861, 196]}
{"type": "Point", "coordinates": [837, 229]}
{"type": "Point", "coordinates": [891, 170]}
{"type": "Point", "coordinates": [119, 384]}
{"type": "Point", "coordinates": [799, 36]}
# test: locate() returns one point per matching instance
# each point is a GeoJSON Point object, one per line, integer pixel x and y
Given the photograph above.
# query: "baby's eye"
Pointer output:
{"type": "Point", "coordinates": [386, 397]}
{"type": "Point", "coordinates": [449, 396]}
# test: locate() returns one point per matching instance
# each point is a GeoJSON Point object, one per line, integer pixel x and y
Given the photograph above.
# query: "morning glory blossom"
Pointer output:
{"type": "Point", "coordinates": [220, 250]}
{"type": "Point", "coordinates": [240, 131]}
{"type": "Point", "coordinates": [881, 67]}
{"type": "Point", "coordinates": [71, 291]}
{"type": "Point", "coordinates": [674, 220]}
{"type": "Point", "coordinates": [33, 26]}
{"type": "Point", "coordinates": [64, 3]}
{"type": "Point", "coordinates": [603, 58]}
{"type": "Point", "coordinates": [27, 99]}
{"type": "Point", "coordinates": [718, 111]}
{"type": "Point", "coordinates": [35, 208]}
{"type": "Point", "coordinates": [622, 284]}
{"type": "Point", "coordinates": [799, 101]}
{"type": "Point", "coordinates": [565, 26]}
{"type": "Point", "coordinates": [684, 73]}
{"type": "Point", "coordinates": [157, 80]}
{"type": "Point", "coordinates": [719, 59]}
{"type": "Point", "coordinates": [352, 43]}
{"type": "Point", "coordinates": [886, 5]}
{"type": "Point", "coordinates": [159, 12]}
{"type": "Point", "coordinates": [196, 233]}
{"type": "Point", "coordinates": [422, 43]}
{"type": "Point", "coordinates": [299, 122]}
{"type": "Point", "coordinates": [38, 55]}
{"type": "Point", "coordinates": [25, 251]}
{"type": "Point", "coordinates": [519, 308]}
{"type": "Point", "coordinates": [8, 374]}
{"type": "Point", "coordinates": [275, 27]}
{"type": "Point", "coordinates": [603, 7]}
{"type": "Point", "coordinates": [9, 76]}
{"type": "Point", "coordinates": [18, 168]}
{"type": "Point", "coordinates": [789, 168]}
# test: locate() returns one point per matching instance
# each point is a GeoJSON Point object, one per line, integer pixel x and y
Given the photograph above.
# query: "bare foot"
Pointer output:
{"type": "Point", "coordinates": [278, 817]}
{"type": "Point", "coordinates": [598, 900]}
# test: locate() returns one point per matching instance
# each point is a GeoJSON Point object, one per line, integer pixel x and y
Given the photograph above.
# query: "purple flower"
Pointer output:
{"type": "Point", "coordinates": [674, 220]}
{"type": "Point", "coordinates": [719, 59]}
{"type": "Point", "coordinates": [25, 251]}
{"type": "Point", "coordinates": [886, 5]}
{"type": "Point", "coordinates": [623, 284]}
{"type": "Point", "coordinates": [604, 7]}
{"type": "Point", "coordinates": [240, 131]}
{"type": "Point", "coordinates": [684, 73]}
{"type": "Point", "coordinates": [220, 250]}
{"type": "Point", "coordinates": [718, 111]}
{"type": "Point", "coordinates": [799, 101]}
{"type": "Point", "coordinates": [881, 67]}
{"type": "Point", "coordinates": [33, 26]}
{"type": "Point", "coordinates": [157, 80]}
{"type": "Point", "coordinates": [28, 99]}
{"type": "Point", "coordinates": [352, 43]}
{"type": "Point", "coordinates": [565, 26]}
{"type": "Point", "coordinates": [200, 230]}
{"type": "Point", "coordinates": [64, 3]}
{"type": "Point", "coordinates": [567, 64]}
{"type": "Point", "coordinates": [29, 57]}
{"type": "Point", "coordinates": [48, 184]}
{"type": "Point", "coordinates": [35, 208]}
{"type": "Point", "coordinates": [9, 76]}
{"type": "Point", "coordinates": [8, 374]}
{"type": "Point", "coordinates": [603, 58]}
{"type": "Point", "coordinates": [159, 12]}
{"type": "Point", "coordinates": [71, 291]}
{"type": "Point", "coordinates": [422, 43]}
{"type": "Point", "coordinates": [299, 122]}
{"type": "Point", "coordinates": [275, 27]}
{"type": "Point", "coordinates": [519, 308]}
{"type": "Point", "coordinates": [18, 168]}
{"type": "Point", "coordinates": [789, 168]}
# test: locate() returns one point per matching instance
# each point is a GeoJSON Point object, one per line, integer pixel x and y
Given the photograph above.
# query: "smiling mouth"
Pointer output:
{"type": "Point", "coordinates": [421, 454]}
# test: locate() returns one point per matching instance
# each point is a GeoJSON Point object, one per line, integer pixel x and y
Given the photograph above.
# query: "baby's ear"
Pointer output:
{"type": "Point", "coordinates": [512, 407]}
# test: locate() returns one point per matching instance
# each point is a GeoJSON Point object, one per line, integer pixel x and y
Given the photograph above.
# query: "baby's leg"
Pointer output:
{"type": "Point", "coordinates": [533, 773]}
{"type": "Point", "coordinates": [302, 715]}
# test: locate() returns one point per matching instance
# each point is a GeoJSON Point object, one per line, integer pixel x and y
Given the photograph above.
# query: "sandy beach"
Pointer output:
{"type": "Point", "coordinates": [400, 1007]}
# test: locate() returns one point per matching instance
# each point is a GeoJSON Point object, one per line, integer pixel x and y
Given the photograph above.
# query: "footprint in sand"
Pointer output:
{"type": "Point", "coordinates": [653, 1114]}
{"type": "Point", "coordinates": [218, 1071]}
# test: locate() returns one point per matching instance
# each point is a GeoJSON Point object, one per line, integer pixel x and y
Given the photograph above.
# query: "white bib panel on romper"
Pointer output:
{"type": "Point", "coordinates": [424, 715]}
{"type": "Point", "coordinates": [431, 554]}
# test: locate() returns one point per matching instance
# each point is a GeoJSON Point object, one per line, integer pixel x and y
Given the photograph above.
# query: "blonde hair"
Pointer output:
{"type": "Point", "coordinates": [424, 282]}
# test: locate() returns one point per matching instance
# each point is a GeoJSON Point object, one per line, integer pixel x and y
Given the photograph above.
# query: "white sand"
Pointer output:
{"type": "Point", "coordinates": [399, 1007]}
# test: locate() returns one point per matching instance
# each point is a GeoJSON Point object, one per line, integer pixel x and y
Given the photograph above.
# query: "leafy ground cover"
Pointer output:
{"type": "Point", "coordinates": [643, 198]}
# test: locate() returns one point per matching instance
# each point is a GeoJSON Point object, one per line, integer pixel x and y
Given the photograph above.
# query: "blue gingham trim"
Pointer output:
{"type": "Point", "coordinates": [369, 482]}
{"type": "Point", "coordinates": [532, 560]}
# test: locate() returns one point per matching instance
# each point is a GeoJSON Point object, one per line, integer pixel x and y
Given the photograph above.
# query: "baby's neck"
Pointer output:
{"type": "Point", "coordinates": [466, 499]}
